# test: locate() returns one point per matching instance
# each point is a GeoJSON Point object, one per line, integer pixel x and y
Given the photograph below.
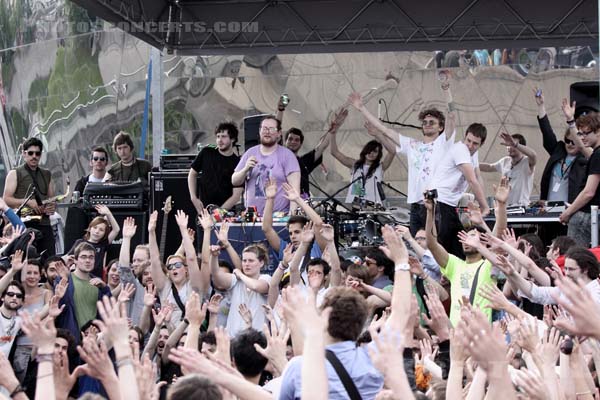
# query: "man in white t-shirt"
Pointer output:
{"type": "Point", "coordinates": [10, 322]}
{"type": "Point", "coordinates": [518, 166]}
{"type": "Point", "coordinates": [454, 174]}
{"type": "Point", "coordinates": [422, 154]}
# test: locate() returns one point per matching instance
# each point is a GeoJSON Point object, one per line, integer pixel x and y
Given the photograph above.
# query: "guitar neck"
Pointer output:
{"type": "Point", "coordinates": [163, 236]}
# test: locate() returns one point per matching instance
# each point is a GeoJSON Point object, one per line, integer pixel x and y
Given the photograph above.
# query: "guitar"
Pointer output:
{"type": "Point", "coordinates": [163, 234]}
{"type": "Point", "coordinates": [29, 214]}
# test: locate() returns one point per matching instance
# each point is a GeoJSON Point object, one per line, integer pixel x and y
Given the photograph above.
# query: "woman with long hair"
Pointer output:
{"type": "Point", "coordinates": [367, 171]}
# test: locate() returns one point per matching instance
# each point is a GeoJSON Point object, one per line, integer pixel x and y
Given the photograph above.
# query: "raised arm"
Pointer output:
{"type": "Point", "coordinates": [539, 275]}
{"type": "Point", "coordinates": [338, 121]}
{"type": "Point", "coordinates": [330, 256]}
{"type": "Point", "coordinates": [508, 140]}
{"type": "Point", "coordinates": [292, 195]}
{"type": "Point", "coordinates": [501, 193]}
{"type": "Point", "coordinates": [223, 237]}
{"type": "Point", "coordinates": [267, 224]}
{"type": "Point", "coordinates": [306, 238]}
{"type": "Point", "coordinates": [355, 99]}
{"type": "Point", "coordinates": [158, 276]}
{"type": "Point", "coordinates": [338, 155]}
{"type": "Point", "coordinates": [273, 294]}
{"type": "Point", "coordinates": [221, 279]}
{"type": "Point", "coordinates": [389, 146]}
{"type": "Point", "coordinates": [114, 225]}
{"type": "Point", "coordinates": [15, 266]}
{"type": "Point", "coordinates": [200, 282]}
{"type": "Point", "coordinates": [437, 250]}
{"type": "Point", "coordinates": [569, 112]}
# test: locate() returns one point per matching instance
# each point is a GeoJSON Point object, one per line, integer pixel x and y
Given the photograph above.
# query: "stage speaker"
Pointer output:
{"type": "Point", "coordinates": [586, 96]}
{"type": "Point", "coordinates": [141, 234]}
{"type": "Point", "coordinates": [162, 185]}
{"type": "Point", "coordinates": [252, 130]}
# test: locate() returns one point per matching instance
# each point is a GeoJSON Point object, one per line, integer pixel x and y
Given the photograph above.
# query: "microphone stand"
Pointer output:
{"type": "Point", "coordinates": [393, 188]}
{"type": "Point", "coordinates": [18, 211]}
{"type": "Point", "coordinates": [332, 196]}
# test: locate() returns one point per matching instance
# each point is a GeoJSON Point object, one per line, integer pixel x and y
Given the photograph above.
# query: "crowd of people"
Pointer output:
{"type": "Point", "coordinates": [444, 309]}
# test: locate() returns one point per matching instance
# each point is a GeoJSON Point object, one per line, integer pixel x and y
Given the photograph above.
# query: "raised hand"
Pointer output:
{"type": "Point", "coordinates": [152, 221]}
{"type": "Point", "coordinates": [246, 314]}
{"type": "Point", "coordinates": [42, 333]}
{"type": "Point", "coordinates": [53, 309]}
{"type": "Point", "coordinates": [338, 120]}
{"type": "Point", "coordinates": [502, 191]}
{"type": "Point", "coordinates": [508, 140]}
{"type": "Point", "coordinates": [194, 311]}
{"type": "Point", "coordinates": [577, 301]}
{"type": "Point", "coordinates": [532, 384]}
{"type": "Point", "coordinates": [290, 192]}
{"type": "Point", "coordinates": [102, 209]}
{"type": "Point", "coordinates": [97, 361]}
{"type": "Point", "coordinates": [371, 130]}
{"type": "Point", "coordinates": [474, 213]}
{"type": "Point", "coordinates": [129, 228]}
{"type": "Point", "coordinates": [223, 351]}
{"type": "Point", "coordinates": [356, 100]}
{"type": "Point", "coordinates": [469, 240]}
{"type": "Point", "coordinates": [215, 303]}
{"type": "Point", "coordinates": [387, 354]}
{"type": "Point", "coordinates": [114, 320]}
{"type": "Point", "coordinates": [127, 291]}
{"type": "Point", "coordinates": [271, 188]}
{"type": "Point", "coordinates": [17, 260]}
{"type": "Point", "coordinates": [505, 266]}
{"type": "Point", "coordinates": [327, 233]}
{"type": "Point", "coordinates": [496, 298]}
{"type": "Point", "coordinates": [527, 337]}
{"type": "Point", "coordinates": [275, 351]}
{"type": "Point", "coordinates": [549, 349]}
{"type": "Point", "coordinates": [205, 219]}
{"type": "Point", "coordinates": [288, 254]}
{"type": "Point", "coordinates": [182, 219]}
{"type": "Point", "coordinates": [439, 321]}
{"type": "Point", "coordinates": [416, 268]}
{"type": "Point", "coordinates": [394, 249]}
{"type": "Point", "coordinates": [301, 313]}
{"type": "Point", "coordinates": [308, 233]}
{"type": "Point", "coordinates": [568, 109]}
{"type": "Point", "coordinates": [149, 295]}
{"type": "Point", "coordinates": [61, 287]}
{"type": "Point", "coordinates": [223, 235]}
{"type": "Point", "coordinates": [215, 250]}
{"type": "Point", "coordinates": [509, 237]}
{"type": "Point", "coordinates": [539, 100]}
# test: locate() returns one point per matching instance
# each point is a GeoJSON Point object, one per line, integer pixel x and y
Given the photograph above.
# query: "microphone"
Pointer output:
{"type": "Point", "coordinates": [379, 110]}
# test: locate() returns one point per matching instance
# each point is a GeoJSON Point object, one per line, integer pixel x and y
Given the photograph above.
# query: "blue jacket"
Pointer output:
{"type": "Point", "coordinates": [67, 319]}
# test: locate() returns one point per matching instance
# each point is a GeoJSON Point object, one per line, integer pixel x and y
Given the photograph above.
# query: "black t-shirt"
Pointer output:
{"type": "Point", "coordinates": [593, 168]}
{"type": "Point", "coordinates": [307, 165]}
{"type": "Point", "coordinates": [214, 175]}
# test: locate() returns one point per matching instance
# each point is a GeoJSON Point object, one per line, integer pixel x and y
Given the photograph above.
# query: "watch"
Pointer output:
{"type": "Point", "coordinates": [402, 267]}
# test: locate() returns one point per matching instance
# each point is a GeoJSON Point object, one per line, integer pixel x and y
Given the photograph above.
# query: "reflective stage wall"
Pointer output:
{"type": "Point", "coordinates": [75, 82]}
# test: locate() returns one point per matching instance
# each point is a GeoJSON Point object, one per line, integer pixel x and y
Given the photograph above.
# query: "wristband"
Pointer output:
{"type": "Point", "coordinates": [281, 264]}
{"type": "Point", "coordinates": [280, 108]}
{"type": "Point", "coordinates": [124, 362]}
{"type": "Point", "coordinates": [187, 321]}
{"type": "Point", "coordinates": [570, 122]}
{"type": "Point", "coordinates": [402, 267]}
{"type": "Point", "coordinates": [18, 389]}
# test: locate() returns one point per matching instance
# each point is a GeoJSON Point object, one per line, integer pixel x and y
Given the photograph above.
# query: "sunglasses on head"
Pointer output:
{"type": "Point", "coordinates": [98, 158]}
{"type": "Point", "coordinates": [13, 294]}
{"type": "Point", "coordinates": [31, 153]}
{"type": "Point", "coordinates": [175, 265]}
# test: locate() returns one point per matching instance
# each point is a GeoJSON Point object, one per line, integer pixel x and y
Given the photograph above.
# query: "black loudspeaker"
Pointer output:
{"type": "Point", "coordinates": [586, 96]}
{"type": "Point", "coordinates": [162, 185]}
{"type": "Point", "coordinates": [252, 130]}
{"type": "Point", "coordinates": [141, 234]}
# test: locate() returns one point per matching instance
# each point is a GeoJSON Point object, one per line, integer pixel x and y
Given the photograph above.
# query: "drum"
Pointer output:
{"type": "Point", "coordinates": [371, 234]}
{"type": "Point", "coordinates": [349, 229]}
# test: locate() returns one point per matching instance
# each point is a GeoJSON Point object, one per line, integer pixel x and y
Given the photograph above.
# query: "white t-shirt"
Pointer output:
{"type": "Point", "coordinates": [370, 184]}
{"type": "Point", "coordinates": [166, 296]}
{"type": "Point", "coordinates": [449, 179]}
{"type": "Point", "coordinates": [320, 294]}
{"type": "Point", "coordinates": [520, 177]}
{"type": "Point", "coordinates": [9, 327]}
{"type": "Point", "coordinates": [240, 293]}
{"type": "Point", "coordinates": [422, 159]}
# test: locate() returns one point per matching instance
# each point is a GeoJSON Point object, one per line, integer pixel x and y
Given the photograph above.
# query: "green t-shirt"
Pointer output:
{"type": "Point", "coordinates": [85, 297]}
{"type": "Point", "coordinates": [461, 275]}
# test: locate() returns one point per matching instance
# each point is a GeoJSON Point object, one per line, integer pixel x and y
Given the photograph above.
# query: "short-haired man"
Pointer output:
{"type": "Point", "coordinates": [21, 181]}
{"type": "Point", "coordinates": [81, 296]}
{"type": "Point", "coordinates": [10, 322]}
{"type": "Point", "coordinates": [578, 214]}
{"type": "Point", "coordinates": [458, 170]}
{"type": "Point", "coordinates": [559, 247]}
{"type": "Point", "coordinates": [267, 161]}
{"type": "Point", "coordinates": [518, 166]}
{"type": "Point", "coordinates": [98, 163]}
{"type": "Point", "coordinates": [214, 167]}
{"type": "Point", "coordinates": [128, 168]}
{"type": "Point", "coordinates": [379, 268]}
{"type": "Point", "coordinates": [249, 362]}
{"type": "Point", "coordinates": [294, 139]}
{"type": "Point", "coordinates": [422, 154]}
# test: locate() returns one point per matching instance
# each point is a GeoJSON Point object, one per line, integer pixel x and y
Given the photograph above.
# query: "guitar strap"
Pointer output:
{"type": "Point", "coordinates": [36, 184]}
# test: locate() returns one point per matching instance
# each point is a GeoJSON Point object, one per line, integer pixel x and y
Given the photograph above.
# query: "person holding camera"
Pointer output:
{"type": "Point", "coordinates": [456, 171]}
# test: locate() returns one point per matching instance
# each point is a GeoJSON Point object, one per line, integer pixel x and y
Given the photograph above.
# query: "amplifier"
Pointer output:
{"type": "Point", "coordinates": [176, 161]}
{"type": "Point", "coordinates": [127, 196]}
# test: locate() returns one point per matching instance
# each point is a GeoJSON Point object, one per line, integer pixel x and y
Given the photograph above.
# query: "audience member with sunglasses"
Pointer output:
{"type": "Point", "coordinates": [98, 163]}
{"type": "Point", "coordinates": [565, 170]}
{"type": "Point", "coordinates": [30, 178]}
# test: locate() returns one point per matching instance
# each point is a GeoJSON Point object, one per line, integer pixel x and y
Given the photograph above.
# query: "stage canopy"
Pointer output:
{"type": "Point", "coordinates": [332, 26]}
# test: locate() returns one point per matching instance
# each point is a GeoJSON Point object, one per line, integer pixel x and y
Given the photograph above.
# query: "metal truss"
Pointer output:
{"type": "Point", "coordinates": [307, 26]}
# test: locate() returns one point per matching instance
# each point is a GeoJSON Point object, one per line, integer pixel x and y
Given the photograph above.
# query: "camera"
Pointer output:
{"type": "Point", "coordinates": [285, 99]}
{"type": "Point", "coordinates": [430, 194]}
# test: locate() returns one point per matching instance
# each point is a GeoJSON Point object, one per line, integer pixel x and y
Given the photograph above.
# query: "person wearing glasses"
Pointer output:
{"type": "Point", "coordinates": [266, 161]}
{"type": "Point", "coordinates": [518, 166]}
{"type": "Point", "coordinates": [565, 170]}
{"type": "Point", "coordinates": [19, 184]}
{"type": "Point", "coordinates": [578, 214]}
{"type": "Point", "coordinates": [98, 163]}
{"type": "Point", "coordinates": [421, 154]}
{"type": "Point", "coordinates": [10, 322]}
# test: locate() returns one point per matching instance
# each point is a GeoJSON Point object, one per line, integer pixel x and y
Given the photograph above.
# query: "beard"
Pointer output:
{"type": "Point", "coordinates": [268, 143]}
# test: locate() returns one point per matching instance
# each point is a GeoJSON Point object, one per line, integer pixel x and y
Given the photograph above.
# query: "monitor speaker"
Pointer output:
{"type": "Point", "coordinates": [162, 185]}
{"type": "Point", "coordinates": [585, 94]}
{"type": "Point", "coordinates": [252, 130]}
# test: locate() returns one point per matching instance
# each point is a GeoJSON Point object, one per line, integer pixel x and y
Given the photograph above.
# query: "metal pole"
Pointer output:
{"type": "Point", "coordinates": [157, 89]}
{"type": "Point", "coordinates": [594, 226]}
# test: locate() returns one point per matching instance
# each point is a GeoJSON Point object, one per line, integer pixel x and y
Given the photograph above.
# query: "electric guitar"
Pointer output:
{"type": "Point", "coordinates": [29, 214]}
{"type": "Point", "coordinates": [163, 234]}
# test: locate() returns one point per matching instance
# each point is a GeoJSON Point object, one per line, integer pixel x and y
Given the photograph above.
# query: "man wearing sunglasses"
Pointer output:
{"type": "Point", "coordinates": [19, 184]}
{"type": "Point", "coordinates": [564, 172]}
{"type": "Point", "coordinates": [578, 214]}
{"type": "Point", "coordinates": [10, 322]}
{"type": "Point", "coordinates": [98, 163]}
